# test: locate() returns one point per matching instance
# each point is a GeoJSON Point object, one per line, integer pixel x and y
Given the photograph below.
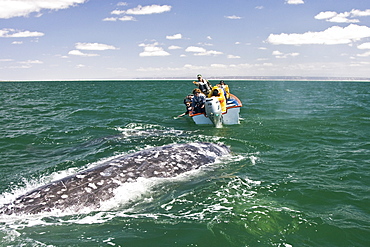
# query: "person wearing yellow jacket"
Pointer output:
{"type": "Point", "coordinates": [225, 87]}
{"type": "Point", "coordinates": [219, 94]}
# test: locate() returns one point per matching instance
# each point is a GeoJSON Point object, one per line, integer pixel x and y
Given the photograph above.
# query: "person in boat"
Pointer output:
{"type": "Point", "coordinates": [187, 102]}
{"type": "Point", "coordinates": [225, 87]}
{"type": "Point", "coordinates": [198, 101]}
{"type": "Point", "coordinates": [188, 99]}
{"type": "Point", "coordinates": [203, 84]}
{"type": "Point", "coordinates": [218, 92]}
{"type": "Point", "coordinates": [223, 91]}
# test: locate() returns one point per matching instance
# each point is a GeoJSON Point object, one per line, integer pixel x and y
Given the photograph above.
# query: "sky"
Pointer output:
{"type": "Point", "coordinates": [108, 39]}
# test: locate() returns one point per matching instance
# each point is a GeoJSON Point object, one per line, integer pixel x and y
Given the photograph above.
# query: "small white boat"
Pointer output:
{"type": "Point", "coordinates": [214, 115]}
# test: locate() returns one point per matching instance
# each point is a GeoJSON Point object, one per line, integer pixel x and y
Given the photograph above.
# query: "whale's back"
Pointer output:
{"type": "Point", "coordinates": [90, 187]}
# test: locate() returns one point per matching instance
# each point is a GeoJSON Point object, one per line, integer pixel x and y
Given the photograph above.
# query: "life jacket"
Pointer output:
{"type": "Point", "coordinates": [219, 94]}
{"type": "Point", "coordinates": [198, 101]}
{"type": "Point", "coordinates": [226, 90]}
{"type": "Point", "coordinates": [203, 86]}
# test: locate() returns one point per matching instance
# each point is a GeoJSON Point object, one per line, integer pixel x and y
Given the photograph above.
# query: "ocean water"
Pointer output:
{"type": "Point", "coordinates": [299, 173]}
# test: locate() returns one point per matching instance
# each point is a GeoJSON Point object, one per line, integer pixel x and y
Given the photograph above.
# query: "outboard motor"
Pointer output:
{"type": "Point", "coordinates": [213, 111]}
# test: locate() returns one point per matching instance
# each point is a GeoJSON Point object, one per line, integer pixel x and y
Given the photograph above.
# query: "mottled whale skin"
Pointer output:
{"type": "Point", "coordinates": [90, 187]}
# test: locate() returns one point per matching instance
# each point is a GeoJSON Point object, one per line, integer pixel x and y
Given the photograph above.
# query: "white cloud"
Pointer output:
{"type": "Point", "coordinates": [217, 65]}
{"type": "Point", "coordinates": [345, 17]}
{"type": "Point", "coordinates": [195, 49]}
{"type": "Point", "coordinates": [326, 15]}
{"type": "Point", "coordinates": [144, 10]}
{"type": "Point", "coordinates": [110, 19]}
{"type": "Point", "coordinates": [233, 17]}
{"type": "Point", "coordinates": [279, 54]}
{"type": "Point", "coordinates": [360, 64]}
{"type": "Point", "coordinates": [118, 12]}
{"type": "Point", "coordinates": [148, 10]}
{"type": "Point", "coordinates": [26, 64]}
{"type": "Point", "coordinates": [209, 53]}
{"type": "Point", "coordinates": [123, 18]}
{"type": "Point", "coordinates": [31, 62]}
{"type": "Point", "coordinates": [17, 42]}
{"type": "Point", "coordinates": [366, 54]}
{"type": "Point", "coordinates": [331, 36]}
{"type": "Point", "coordinates": [17, 8]}
{"type": "Point", "coordinates": [194, 67]}
{"type": "Point", "coordinates": [12, 33]}
{"type": "Point", "coordinates": [259, 7]}
{"type": "Point", "coordinates": [94, 47]}
{"type": "Point", "coordinates": [364, 46]}
{"type": "Point", "coordinates": [139, 10]}
{"type": "Point", "coordinates": [250, 66]}
{"type": "Point", "coordinates": [232, 56]}
{"type": "Point", "coordinates": [342, 19]}
{"type": "Point", "coordinates": [174, 47]}
{"type": "Point", "coordinates": [332, 16]}
{"type": "Point", "coordinates": [294, 1]}
{"type": "Point", "coordinates": [127, 18]}
{"type": "Point", "coordinates": [122, 4]}
{"type": "Point", "coordinates": [151, 50]}
{"type": "Point", "coordinates": [360, 13]}
{"type": "Point", "coordinates": [81, 54]}
{"type": "Point", "coordinates": [205, 44]}
{"type": "Point", "coordinates": [200, 51]}
{"type": "Point", "coordinates": [175, 36]}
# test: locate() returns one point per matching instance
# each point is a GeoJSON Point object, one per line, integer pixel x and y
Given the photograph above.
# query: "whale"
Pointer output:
{"type": "Point", "coordinates": [91, 187]}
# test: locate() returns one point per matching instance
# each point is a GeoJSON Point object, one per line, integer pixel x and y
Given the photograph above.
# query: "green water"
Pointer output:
{"type": "Point", "coordinates": [299, 174]}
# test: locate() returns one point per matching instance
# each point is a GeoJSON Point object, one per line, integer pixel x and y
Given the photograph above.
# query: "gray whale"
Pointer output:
{"type": "Point", "coordinates": [90, 187]}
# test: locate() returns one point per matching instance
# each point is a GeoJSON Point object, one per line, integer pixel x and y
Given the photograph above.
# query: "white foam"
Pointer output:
{"type": "Point", "coordinates": [129, 192]}
{"type": "Point", "coordinates": [32, 184]}
{"type": "Point", "coordinates": [138, 129]}
{"type": "Point", "coordinates": [253, 159]}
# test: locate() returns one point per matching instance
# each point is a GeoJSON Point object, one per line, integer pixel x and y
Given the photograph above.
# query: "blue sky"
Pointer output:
{"type": "Point", "coordinates": [106, 39]}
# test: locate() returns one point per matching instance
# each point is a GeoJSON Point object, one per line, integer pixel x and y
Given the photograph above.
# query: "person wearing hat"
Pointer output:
{"type": "Point", "coordinates": [203, 84]}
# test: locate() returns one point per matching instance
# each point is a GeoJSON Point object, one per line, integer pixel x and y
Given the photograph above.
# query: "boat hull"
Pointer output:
{"type": "Point", "coordinates": [230, 117]}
